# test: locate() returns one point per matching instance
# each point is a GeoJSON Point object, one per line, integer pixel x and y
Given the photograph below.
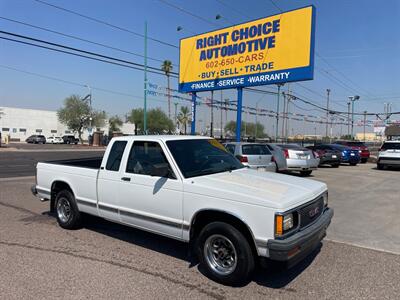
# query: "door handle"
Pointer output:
{"type": "Point", "coordinates": [126, 179]}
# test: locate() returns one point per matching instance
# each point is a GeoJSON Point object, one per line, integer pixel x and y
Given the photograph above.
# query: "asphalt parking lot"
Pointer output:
{"type": "Point", "coordinates": [102, 260]}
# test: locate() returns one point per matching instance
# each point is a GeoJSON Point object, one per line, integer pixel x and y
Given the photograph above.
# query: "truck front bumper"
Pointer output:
{"type": "Point", "coordinates": [301, 243]}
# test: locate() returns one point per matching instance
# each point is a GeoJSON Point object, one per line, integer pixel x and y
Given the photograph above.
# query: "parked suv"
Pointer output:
{"type": "Point", "coordinates": [389, 155]}
{"type": "Point", "coordinates": [36, 139]}
{"type": "Point", "coordinates": [252, 155]}
{"type": "Point", "coordinates": [357, 145]}
{"type": "Point", "coordinates": [70, 139]}
{"type": "Point", "coordinates": [328, 155]}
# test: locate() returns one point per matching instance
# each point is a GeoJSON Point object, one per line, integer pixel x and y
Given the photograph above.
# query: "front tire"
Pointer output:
{"type": "Point", "coordinates": [335, 165]}
{"type": "Point", "coordinates": [225, 254]}
{"type": "Point", "coordinates": [380, 166]}
{"type": "Point", "coordinates": [68, 215]}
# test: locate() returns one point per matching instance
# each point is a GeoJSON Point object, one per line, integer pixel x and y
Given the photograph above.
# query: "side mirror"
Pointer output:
{"type": "Point", "coordinates": [161, 171]}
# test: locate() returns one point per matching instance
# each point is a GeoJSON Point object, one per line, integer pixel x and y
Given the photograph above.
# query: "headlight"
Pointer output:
{"type": "Point", "coordinates": [284, 223]}
{"type": "Point", "coordinates": [325, 196]}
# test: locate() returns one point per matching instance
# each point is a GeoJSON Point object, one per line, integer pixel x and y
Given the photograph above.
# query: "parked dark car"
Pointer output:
{"type": "Point", "coordinates": [70, 139]}
{"type": "Point", "coordinates": [357, 145]}
{"type": "Point", "coordinates": [328, 155]}
{"type": "Point", "coordinates": [348, 155]}
{"type": "Point", "coordinates": [36, 139]}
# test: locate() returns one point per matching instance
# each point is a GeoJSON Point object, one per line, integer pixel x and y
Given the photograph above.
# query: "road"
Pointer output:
{"type": "Point", "coordinates": [105, 260]}
{"type": "Point", "coordinates": [22, 163]}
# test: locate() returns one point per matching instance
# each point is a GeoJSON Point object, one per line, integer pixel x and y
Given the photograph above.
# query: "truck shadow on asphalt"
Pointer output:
{"type": "Point", "coordinates": [273, 275]}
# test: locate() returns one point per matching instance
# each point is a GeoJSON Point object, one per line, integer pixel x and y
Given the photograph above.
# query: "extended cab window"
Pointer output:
{"type": "Point", "coordinates": [115, 156]}
{"type": "Point", "coordinates": [144, 157]}
{"type": "Point", "coordinates": [255, 149]}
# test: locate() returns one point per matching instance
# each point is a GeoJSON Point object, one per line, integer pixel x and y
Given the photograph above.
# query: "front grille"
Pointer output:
{"type": "Point", "coordinates": [311, 212]}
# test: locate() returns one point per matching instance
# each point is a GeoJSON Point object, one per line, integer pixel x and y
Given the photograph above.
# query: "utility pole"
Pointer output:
{"type": "Point", "coordinates": [365, 120]}
{"type": "Point", "coordinates": [348, 118]}
{"type": "Point", "coordinates": [327, 111]}
{"type": "Point", "coordinates": [255, 128]}
{"type": "Point", "coordinates": [176, 113]}
{"type": "Point", "coordinates": [284, 115]}
{"type": "Point", "coordinates": [277, 112]}
{"type": "Point", "coordinates": [212, 115]}
{"type": "Point", "coordinates": [221, 114]}
{"type": "Point", "coordinates": [145, 80]}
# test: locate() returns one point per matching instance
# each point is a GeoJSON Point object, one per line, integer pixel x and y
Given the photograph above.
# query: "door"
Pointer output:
{"type": "Point", "coordinates": [151, 202]}
{"type": "Point", "coordinates": [108, 181]}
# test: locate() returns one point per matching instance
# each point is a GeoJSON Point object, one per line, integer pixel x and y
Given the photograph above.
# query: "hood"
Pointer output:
{"type": "Point", "coordinates": [258, 188]}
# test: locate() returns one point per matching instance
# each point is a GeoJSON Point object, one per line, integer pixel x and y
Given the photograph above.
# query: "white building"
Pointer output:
{"type": "Point", "coordinates": [20, 123]}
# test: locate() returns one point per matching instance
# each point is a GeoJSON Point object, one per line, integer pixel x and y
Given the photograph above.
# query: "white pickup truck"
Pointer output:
{"type": "Point", "coordinates": [191, 189]}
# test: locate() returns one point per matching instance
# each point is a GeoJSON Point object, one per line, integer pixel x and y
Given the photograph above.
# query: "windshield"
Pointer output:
{"type": "Point", "coordinates": [391, 146]}
{"type": "Point", "coordinates": [202, 157]}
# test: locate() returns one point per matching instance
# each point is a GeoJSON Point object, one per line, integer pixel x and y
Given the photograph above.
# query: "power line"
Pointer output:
{"type": "Point", "coordinates": [104, 58]}
{"type": "Point", "coordinates": [188, 12]}
{"type": "Point", "coordinates": [105, 23]}
{"type": "Point", "coordinates": [80, 39]}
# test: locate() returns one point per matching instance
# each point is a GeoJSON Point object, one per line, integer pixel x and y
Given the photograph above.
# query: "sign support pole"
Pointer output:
{"type": "Point", "coordinates": [145, 81]}
{"type": "Point", "coordinates": [193, 125]}
{"type": "Point", "coordinates": [239, 114]}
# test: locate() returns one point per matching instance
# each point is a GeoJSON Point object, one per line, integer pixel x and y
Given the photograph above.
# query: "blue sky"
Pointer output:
{"type": "Point", "coordinates": [358, 40]}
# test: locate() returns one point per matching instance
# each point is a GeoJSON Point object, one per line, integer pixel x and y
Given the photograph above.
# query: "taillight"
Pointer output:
{"type": "Point", "coordinates": [243, 159]}
{"type": "Point", "coordinates": [286, 153]}
{"type": "Point", "coordinates": [272, 158]}
{"type": "Point", "coordinates": [316, 155]}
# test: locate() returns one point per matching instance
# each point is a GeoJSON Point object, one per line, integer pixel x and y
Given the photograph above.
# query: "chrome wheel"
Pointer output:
{"type": "Point", "coordinates": [63, 210]}
{"type": "Point", "coordinates": [220, 254]}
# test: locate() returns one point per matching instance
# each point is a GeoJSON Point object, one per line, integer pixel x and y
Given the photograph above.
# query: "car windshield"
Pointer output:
{"type": "Point", "coordinates": [199, 157]}
{"type": "Point", "coordinates": [255, 149]}
{"type": "Point", "coordinates": [339, 147]}
{"type": "Point", "coordinates": [356, 144]}
{"type": "Point", "coordinates": [391, 146]}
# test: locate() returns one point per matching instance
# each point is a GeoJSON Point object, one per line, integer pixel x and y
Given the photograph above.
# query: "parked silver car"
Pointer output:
{"type": "Point", "coordinates": [253, 155]}
{"type": "Point", "coordinates": [280, 159]}
{"type": "Point", "coordinates": [299, 159]}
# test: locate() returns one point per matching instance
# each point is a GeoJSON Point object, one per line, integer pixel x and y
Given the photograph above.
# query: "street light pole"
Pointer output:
{"type": "Point", "coordinates": [212, 115]}
{"type": "Point", "coordinates": [221, 114]}
{"type": "Point", "coordinates": [353, 99]}
{"type": "Point", "coordinates": [348, 117]}
{"type": "Point", "coordinates": [255, 129]}
{"type": "Point", "coordinates": [327, 111]}
{"type": "Point", "coordinates": [145, 80]}
{"type": "Point", "coordinates": [365, 120]}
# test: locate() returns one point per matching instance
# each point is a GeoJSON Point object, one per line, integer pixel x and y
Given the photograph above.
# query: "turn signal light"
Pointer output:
{"type": "Point", "coordinates": [279, 225]}
{"type": "Point", "coordinates": [243, 159]}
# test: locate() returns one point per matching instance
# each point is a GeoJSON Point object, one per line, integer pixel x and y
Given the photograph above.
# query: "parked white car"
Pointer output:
{"type": "Point", "coordinates": [253, 155]}
{"type": "Point", "coordinates": [54, 140]}
{"type": "Point", "coordinates": [389, 155]}
{"type": "Point", "coordinates": [191, 189]}
{"type": "Point", "coordinates": [299, 159]}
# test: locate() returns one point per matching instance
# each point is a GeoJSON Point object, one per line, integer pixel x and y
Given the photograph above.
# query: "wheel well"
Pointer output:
{"type": "Point", "coordinates": [205, 217]}
{"type": "Point", "coordinates": [56, 187]}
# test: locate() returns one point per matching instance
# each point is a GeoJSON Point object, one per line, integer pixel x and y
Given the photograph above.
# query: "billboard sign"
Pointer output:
{"type": "Point", "coordinates": [270, 50]}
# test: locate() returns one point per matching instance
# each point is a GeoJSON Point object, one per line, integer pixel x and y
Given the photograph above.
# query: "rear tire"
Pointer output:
{"type": "Point", "coordinates": [306, 173]}
{"type": "Point", "coordinates": [225, 254]}
{"type": "Point", "coordinates": [380, 166]}
{"type": "Point", "coordinates": [335, 165]}
{"type": "Point", "coordinates": [353, 164]}
{"type": "Point", "coordinates": [68, 215]}
{"type": "Point", "coordinates": [364, 160]}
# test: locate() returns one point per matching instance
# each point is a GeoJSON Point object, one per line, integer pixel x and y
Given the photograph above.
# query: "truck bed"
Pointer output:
{"type": "Point", "coordinates": [91, 163]}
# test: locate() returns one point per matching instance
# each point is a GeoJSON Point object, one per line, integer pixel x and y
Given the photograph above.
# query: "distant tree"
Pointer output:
{"type": "Point", "coordinates": [157, 121]}
{"type": "Point", "coordinates": [247, 128]}
{"type": "Point", "coordinates": [78, 116]}
{"type": "Point", "coordinates": [184, 117]}
{"type": "Point", "coordinates": [136, 117]}
{"type": "Point", "coordinates": [167, 68]}
{"type": "Point", "coordinates": [346, 137]}
{"type": "Point", "coordinates": [115, 124]}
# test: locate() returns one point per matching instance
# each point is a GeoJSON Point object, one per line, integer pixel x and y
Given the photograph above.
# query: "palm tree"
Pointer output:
{"type": "Point", "coordinates": [167, 68]}
{"type": "Point", "coordinates": [184, 117]}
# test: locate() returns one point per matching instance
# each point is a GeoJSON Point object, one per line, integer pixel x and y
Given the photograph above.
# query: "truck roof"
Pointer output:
{"type": "Point", "coordinates": [164, 138]}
